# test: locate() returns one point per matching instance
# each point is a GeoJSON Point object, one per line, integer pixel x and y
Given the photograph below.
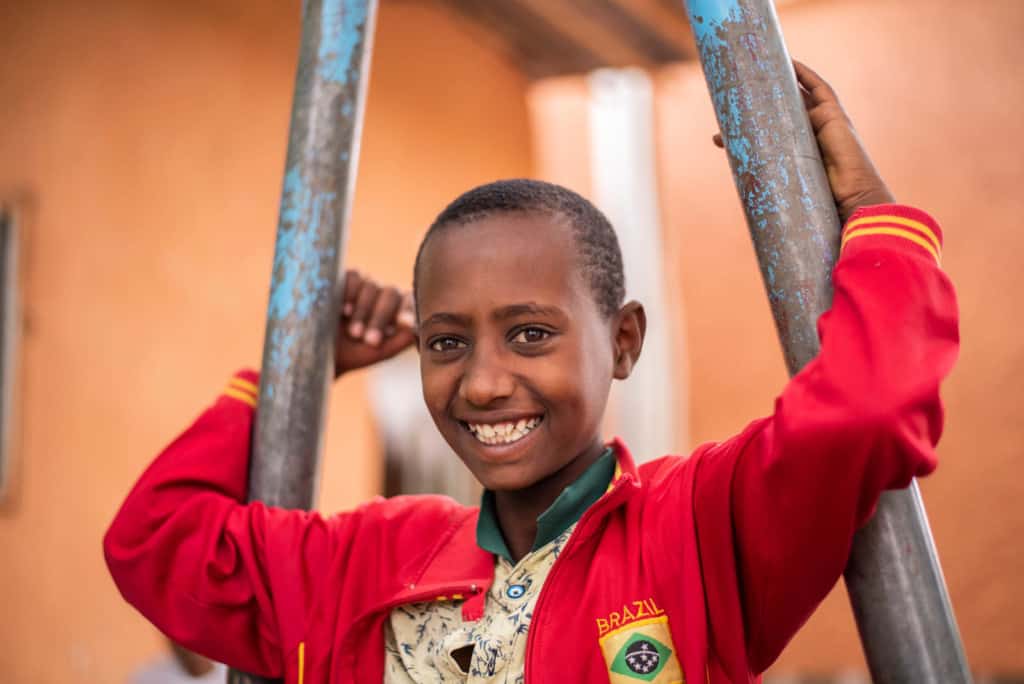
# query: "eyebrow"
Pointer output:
{"type": "Point", "coordinates": [502, 314]}
{"type": "Point", "coordinates": [526, 309]}
{"type": "Point", "coordinates": [443, 317]}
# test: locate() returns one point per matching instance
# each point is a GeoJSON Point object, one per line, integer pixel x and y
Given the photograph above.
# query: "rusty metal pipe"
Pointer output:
{"type": "Point", "coordinates": [316, 202]}
{"type": "Point", "coordinates": [893, 577]}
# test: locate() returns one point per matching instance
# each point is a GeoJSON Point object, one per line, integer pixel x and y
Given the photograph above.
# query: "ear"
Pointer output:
{"type": "Point", "coordinates": [630, 327]}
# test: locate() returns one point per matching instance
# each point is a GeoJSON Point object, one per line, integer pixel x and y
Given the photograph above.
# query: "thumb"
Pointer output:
{"type": "Point", "coordinates": [402, 339]}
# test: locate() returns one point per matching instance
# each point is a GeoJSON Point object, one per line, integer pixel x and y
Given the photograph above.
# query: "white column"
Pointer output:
{"type": "Point", "coordinates": [648, 410]}
{"type": "Point", "coordinates": [10, 334]}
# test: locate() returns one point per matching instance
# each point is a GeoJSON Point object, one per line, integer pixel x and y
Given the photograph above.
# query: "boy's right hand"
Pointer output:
{"type": "Point", "coordinates": [852, 176]}
{"type": "Point", "coordinates": [376, 323]}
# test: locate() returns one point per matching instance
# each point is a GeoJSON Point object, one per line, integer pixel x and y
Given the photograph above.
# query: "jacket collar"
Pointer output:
{"type": "Point", "coordinates": [625, 485]}
{"type": "Point", "coordinates": [454, 563]}
{"type": "Point", "coordinates": [625, 467]}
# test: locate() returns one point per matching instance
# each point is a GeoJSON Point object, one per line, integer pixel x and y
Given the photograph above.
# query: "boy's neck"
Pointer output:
{"type": "Point", "coordinates": [517, 511]}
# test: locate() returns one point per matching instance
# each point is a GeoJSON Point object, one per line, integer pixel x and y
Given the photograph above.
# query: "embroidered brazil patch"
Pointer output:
{"type": "Point", "coordinates": [642, 651]}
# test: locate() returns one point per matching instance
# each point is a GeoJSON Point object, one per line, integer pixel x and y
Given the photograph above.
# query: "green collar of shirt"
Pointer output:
{"type": "Point", "coordinates": [564, 512]}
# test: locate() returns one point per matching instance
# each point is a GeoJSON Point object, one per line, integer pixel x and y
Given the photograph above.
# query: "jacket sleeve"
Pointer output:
{"type": "Point", "coordinates": [194, 559]}
{"type": "Point", "coordinates": [777, 506]}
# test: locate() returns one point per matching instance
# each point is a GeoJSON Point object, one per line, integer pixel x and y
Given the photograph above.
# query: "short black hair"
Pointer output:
{"type": "Point", "coordinates": [600, 257]}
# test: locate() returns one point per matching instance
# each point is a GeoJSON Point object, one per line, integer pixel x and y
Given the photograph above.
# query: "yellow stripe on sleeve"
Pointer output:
{"type": "Point", "coordinates": [896, 232]}
{"type": "Point", "coordinates": [241, 396]}
{"type": "Point", "coordinates": [244, 385]}
{"type": "Point", "coordinates": [899, 221]}
{"type": "Point", "coordinates": [302, 661]}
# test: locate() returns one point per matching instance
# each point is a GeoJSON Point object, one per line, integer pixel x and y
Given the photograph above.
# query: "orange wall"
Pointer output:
{"type": "Point", "coordinates": [149, 138]}
{"type": "Point", "coordinates": [935, 90]}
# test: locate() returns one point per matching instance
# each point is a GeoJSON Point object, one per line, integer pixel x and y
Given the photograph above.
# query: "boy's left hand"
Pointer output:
{"type": "Point", "coordinates": [855, 181]}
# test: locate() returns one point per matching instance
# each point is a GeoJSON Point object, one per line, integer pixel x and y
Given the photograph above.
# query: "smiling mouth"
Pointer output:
{"type": "Point", "coordinates": [494, 434]}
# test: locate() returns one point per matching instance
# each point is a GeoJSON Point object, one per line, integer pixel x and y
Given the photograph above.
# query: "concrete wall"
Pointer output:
{"type": "Point", "coordinates": [935, 90]}
{"type": "Point", "coordinates": [146, 140]}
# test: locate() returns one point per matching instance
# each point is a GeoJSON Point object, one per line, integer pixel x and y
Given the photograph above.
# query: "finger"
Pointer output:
{"type": "Point", "coordinates": [348, 298]}
{"type": "Point", "coordinates": [405, 318]}
{"type": "Point", "coordinates": [806, 96]}
{"type": "Point", "coordinates": [362, 308]}
{"type": "Point", "coordinates": [817, 88]}
{"type": "Point", "coordinates": [382, 316]}
{"type": "Point", "coordinates": [407, 313]}
{"type": "Point", "coordinates": [717, 139]}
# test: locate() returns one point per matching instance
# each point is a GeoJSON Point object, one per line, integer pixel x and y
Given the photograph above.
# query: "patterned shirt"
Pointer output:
{"type": "Point", "coordinates": [421, 638]}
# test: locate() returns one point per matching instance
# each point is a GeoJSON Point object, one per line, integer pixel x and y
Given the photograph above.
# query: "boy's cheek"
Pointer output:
{"type": "Point", "coordinates": [438, 387]}
{"type": "Point", "coordinates": [581, 381]}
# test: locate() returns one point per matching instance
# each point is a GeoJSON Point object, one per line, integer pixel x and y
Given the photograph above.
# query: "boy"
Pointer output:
{"type": "Point", "coordinates": [578, 566]}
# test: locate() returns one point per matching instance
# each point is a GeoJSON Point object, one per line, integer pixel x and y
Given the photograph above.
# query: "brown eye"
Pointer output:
{"type": "Point", "coordinates": [531, 336]}
{"type": "Point", "coordinates": [444, 344]}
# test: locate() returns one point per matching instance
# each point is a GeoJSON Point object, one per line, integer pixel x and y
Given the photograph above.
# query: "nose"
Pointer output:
{"type": "Point", "coordinates": [486, 380]}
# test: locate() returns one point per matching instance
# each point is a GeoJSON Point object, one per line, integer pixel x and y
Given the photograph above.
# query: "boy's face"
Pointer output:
{"type": "Point", "coordinates": [516, 358]}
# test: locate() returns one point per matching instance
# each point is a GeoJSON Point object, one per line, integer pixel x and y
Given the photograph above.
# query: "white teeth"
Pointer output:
{"type": "Point", "coordinates": [503, 433]}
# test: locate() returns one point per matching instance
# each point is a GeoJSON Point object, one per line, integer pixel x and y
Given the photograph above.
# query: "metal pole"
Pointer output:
{"type": "Point", "coordinates": [302, 316]}
{"type": "Point", "coordinates": [899, 598]}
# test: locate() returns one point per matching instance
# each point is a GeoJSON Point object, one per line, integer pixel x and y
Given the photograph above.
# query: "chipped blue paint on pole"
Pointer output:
{"type": "Point", "coordinates": [302, 316]}
{"type": "Point", "coordinates": [895, 584]}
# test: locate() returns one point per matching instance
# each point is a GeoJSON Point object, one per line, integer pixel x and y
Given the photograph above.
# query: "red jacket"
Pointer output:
{"type": "Point", "coordinates": [735, 545]}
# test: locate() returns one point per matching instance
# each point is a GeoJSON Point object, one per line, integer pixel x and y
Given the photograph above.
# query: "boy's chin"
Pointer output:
{"type": "Point", "coordinates": [511, 478]}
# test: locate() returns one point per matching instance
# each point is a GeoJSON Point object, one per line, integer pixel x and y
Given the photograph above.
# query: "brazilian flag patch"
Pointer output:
{"type": "Point", "coordinates": [642, 651]}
